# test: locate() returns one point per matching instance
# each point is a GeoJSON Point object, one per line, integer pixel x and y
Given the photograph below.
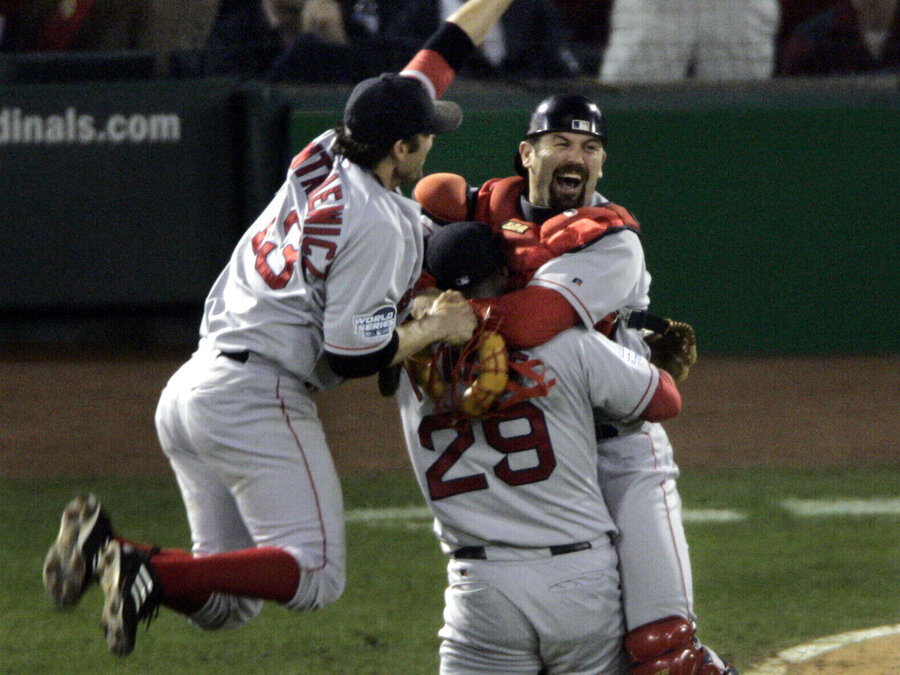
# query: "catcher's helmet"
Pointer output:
{"type": "Point", "coordinates": [569, 112]}
{"type": "Point", "coordinates": [572, 113]}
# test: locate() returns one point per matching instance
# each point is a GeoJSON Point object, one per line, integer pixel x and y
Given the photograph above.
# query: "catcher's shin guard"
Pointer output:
{"type": "Point", "coordinates": [664, 646]}
{"type": "Point", "coordinates": [669, 647]}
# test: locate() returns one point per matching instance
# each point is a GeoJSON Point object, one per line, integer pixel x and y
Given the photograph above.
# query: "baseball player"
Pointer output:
{"type": "Point", "coordinates": [533, 584]}
{"type": "Point", "coordinates": [315, 291]}
{"type": "Point", "coordinates": [577, 258]}
{"type": "Point", "coordinates": [711, 40]}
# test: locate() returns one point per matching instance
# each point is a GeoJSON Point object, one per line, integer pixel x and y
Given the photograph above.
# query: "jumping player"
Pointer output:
{"type": "Point", "coordinates": [533, 584]}
{"type": "Point", "coordinates": [576, 257]}
{"type": "Point", "coordinates": [315, 291]}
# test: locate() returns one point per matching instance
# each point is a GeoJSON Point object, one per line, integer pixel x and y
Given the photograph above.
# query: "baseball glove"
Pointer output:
{"type": "Point", "coordinates": [464, 381]}
{"type": "Point", "coordinates": [674, 350]}
{"type": "Point", "coordinates": [491, 378]}
{"type": "Point", "coordinates": [425, 367]}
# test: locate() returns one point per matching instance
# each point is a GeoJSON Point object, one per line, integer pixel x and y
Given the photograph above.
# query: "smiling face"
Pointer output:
{"type": "Point", "coordinates": [563, 169]}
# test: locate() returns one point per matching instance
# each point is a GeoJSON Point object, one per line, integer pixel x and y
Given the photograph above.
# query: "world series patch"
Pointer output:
{"type": "Point", "coordinates": [378, 323]}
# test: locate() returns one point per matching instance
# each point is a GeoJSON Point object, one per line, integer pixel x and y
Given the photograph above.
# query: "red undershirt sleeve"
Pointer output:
{"type": "Point", "coordinates": [666, 401]}
{"type": "Point", "coordinates": [528, 317]}
{"type": "Point", "coordinates": [437, 63]}
{"type": "Point", "coordinates": [533, 315]}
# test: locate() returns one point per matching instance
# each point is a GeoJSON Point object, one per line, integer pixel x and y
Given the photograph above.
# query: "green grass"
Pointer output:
{"type": "Point", "coordinates": [762, 584]}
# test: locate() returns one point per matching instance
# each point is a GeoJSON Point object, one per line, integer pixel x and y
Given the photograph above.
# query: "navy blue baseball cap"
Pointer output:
{"type": "Point", "coordinates": [460, 254]}
{"type": "Point", "coordinates": [390, 107]}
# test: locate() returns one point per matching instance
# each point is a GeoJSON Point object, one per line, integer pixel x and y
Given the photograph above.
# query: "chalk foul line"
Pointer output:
{"type": "Point", "coordinates": [778, 665]}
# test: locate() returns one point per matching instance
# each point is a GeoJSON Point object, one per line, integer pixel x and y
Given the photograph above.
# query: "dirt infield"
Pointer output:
{"type": "Point", "coordinates": [880, 656]}
{"type": "Point", "coordinates": [874, 651]}
{"type": "Point", "coordinates": [93, 414]}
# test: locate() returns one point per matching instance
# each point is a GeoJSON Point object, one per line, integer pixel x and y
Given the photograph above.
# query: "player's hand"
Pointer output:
{"type": "Point", "coordinates": [457, 320]}
{"type": "Point", "coordinates": [423, 301]}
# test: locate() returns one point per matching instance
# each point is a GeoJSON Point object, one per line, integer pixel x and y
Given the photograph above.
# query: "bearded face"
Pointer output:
{"type": "Point", "coordinates": [563, 169]}
{"type": "Point", "coordinates": [568, 187]}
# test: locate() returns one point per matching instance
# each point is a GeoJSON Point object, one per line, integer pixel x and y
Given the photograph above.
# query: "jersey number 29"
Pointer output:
{"type": "Point", "coordinates": [536, 439]}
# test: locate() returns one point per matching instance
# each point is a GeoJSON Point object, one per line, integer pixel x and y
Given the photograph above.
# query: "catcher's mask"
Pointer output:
{"type": "Point", "coordinates": [571, 113]}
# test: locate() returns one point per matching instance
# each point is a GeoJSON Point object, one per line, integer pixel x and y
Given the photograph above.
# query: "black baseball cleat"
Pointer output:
{"type": "Point", "coordinates": [70, 566]}
{"type": "Point", "coordinates": [713, 664]}
{"type": "Point", "coordinates": [132, 591]}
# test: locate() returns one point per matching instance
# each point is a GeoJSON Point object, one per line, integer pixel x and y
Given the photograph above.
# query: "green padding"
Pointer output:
{"type": "Point", "coordinates": [771, 228]}
{"type": "Point", "coordinates": [116, 195]}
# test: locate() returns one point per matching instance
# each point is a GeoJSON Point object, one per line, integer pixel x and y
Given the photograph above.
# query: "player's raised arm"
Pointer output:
{"type": "Point", "coordinates": [476, 17]}
{"type": "Point", "coordinates": [453, 43]}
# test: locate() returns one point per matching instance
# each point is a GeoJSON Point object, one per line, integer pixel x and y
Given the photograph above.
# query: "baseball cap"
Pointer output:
{"type": "Point", "coordinates": [389, 107]}
{"type": "Point", "coordinates": [461, 254]}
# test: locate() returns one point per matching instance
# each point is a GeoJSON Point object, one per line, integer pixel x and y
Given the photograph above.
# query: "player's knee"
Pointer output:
{"type": "Point", "coordinates": [318, 588]}
{"type": "Point", "coordinates": [226, 611]}
{"type": "Point", "coordinates": [666, 645]}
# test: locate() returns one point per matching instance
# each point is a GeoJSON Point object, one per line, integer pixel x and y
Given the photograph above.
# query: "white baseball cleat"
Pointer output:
{"type": "Point", "coordinates": [71, 563]}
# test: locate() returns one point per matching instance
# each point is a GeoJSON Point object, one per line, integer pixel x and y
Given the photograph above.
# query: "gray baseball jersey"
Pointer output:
{"type": "Point", "coordinates": [622, 284]}
{"type": "Point", "coordinates": [329, 263]}
{"type": "Point", "coordinates": [637, 467]}
{"type": "Point", "coordinates": [526, 477]}
{"type": "Point", "coordinates": [322, 236]}
{"type": "Point", "coordinates": [517, 484]}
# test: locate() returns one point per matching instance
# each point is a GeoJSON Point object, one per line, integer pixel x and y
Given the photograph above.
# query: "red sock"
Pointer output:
{"type": "Point", "coordinates": [147, 548]}
{"type": "Point", "coordinates": [268, 573]}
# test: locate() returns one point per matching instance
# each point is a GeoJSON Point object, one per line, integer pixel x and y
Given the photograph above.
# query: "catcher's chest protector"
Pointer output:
{"type": "Point", "coordinates": [528, 245]}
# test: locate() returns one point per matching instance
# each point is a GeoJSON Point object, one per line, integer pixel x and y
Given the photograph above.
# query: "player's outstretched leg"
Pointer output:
{"type": "Point", "coordinates": [71, 563]}
{"type": "Point", "coordinates": [132, 593]}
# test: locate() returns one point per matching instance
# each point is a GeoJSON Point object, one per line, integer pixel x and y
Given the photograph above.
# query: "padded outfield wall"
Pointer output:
{"type": "Point", "coordinates": [770, 212]}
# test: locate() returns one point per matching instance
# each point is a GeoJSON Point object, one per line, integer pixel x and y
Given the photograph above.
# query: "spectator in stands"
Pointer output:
{"type": "Point", "coordinates": [531, 40]}
{"type": "Point", "coordinates": [9, 10]}
{"type": "Point", "coordinates": [76, 25]}
{"type": "Point", "coordinates": [711, 40]}
{"type": "Point", "coordinates": [157, 26]}
{"type": "Point", "coordinates": [890, 52]}
{"type": "Point", "coordinates": [875, 19]}
{"type": "Point", "coordinates": [588, 24]}
{"type": "Point", "coordinates": [833, 37]}
{"type": "Point", "coordinates": [292, 40]}
{"type": "Point", "coordinates": [177, 26]}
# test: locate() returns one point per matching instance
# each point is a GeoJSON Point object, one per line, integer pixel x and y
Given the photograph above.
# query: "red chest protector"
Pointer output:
{"type": "Point", "coordinates": [448, 198]}
{"type": "Point", "coordinates": [528, 245]}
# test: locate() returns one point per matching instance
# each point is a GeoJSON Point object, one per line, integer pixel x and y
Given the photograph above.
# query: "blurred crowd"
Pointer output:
{"type": "Point", "coordinates": [613, 41]}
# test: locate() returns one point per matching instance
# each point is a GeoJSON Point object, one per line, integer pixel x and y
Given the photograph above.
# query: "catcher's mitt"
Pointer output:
{"type": "Point", "coordinates": [479, 379]}
{"type": "Point", "coordinates": [467, 381]}
{"type": "Point", "coordinates": [492, 377]}
{"type": "Point", "coordinates": [674, 350]}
